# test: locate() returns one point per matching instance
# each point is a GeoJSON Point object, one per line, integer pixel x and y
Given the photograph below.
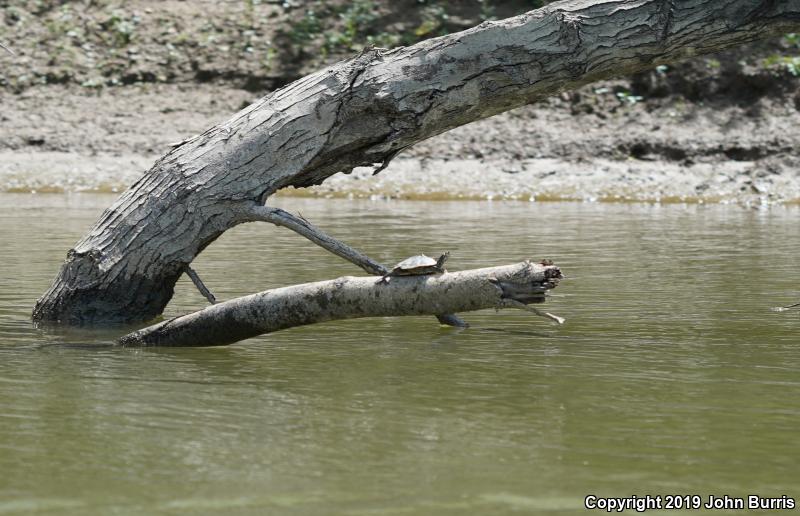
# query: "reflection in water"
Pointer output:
{"type": "Point", "coordinates": [671, 375]}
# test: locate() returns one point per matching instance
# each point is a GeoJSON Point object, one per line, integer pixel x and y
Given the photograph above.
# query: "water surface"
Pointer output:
{"type": "Point", "coordinates": [671, 375]}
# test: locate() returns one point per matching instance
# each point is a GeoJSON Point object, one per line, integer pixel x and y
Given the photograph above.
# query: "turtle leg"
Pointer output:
{"type": "Point", "coordinates": [299, 225]}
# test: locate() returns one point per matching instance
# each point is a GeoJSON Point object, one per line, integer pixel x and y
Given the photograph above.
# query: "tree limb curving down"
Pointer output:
{"type": "Point", "coordinates": [362, 112]}
{"type": "Point", "coordinates": [509, 286]}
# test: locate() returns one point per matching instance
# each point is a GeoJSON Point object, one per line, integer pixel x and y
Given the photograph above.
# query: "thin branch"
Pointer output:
{"type": "Point", "coordinates": [785, 308]}
{"type": "Point", "coordinates": [303, 227]}
{"type": "Point", "coordinates": [7, 49]}
{"type": "Point", "coordinates": [512, 303]}
{"type": "Point", "coordinates": [200, 285]}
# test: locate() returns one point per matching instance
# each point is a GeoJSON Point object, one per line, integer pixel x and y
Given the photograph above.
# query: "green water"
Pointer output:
{"type": "Point", "coordinates": [671, 375]}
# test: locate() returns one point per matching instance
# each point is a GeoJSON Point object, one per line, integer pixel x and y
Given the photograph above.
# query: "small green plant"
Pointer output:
{"type": "Point", "coordinates": [356, 19]}
{"type": "Point", "coordinates": [306, 28]}
{"type": "Point", "coordinates": [249, 15]}
{"type": "Point", "coordinates": [434, 18]}
{"type": "Point", "coordinates": [384, 40]}
{"type": "Point", "coordinates": [792, 40]}
{"type": "Point", "coordinates": [358, 16]}
{"type": "Point", "coordinates": [269, 58]}
{"type": "Point", "coordinates": [487, 10]}
{"type": "Point", "coordinates": [121, 28]}
{"type": "Point", "coordinates": [62, 23]}
{"type": "Point", "coordinates": [789, 63]}
{"type": "Point", "coordinates": [792, 64]}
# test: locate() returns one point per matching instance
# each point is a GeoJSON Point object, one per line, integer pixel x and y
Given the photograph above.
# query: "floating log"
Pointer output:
{"type": "Point", "coordinates": [508, 286]}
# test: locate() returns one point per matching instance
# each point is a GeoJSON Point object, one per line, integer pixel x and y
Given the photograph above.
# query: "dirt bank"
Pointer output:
{"type": "Point", "coordinates": [717, 129]}
{"type": "Point", "coordinates": [62, 139]}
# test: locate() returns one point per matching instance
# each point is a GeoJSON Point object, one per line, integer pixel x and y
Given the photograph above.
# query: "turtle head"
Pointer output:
{"type": "Point", "coordinates": [442, 259]}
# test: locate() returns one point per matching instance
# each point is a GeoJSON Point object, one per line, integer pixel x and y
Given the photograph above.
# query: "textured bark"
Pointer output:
{"type": "Point", "coordinates": [363, 112]}
{"type": "Point", "coordinates": [352, 297]}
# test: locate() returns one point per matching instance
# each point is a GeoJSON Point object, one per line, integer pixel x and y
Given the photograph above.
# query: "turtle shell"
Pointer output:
{"type": "Point", "coordinates": [419, 264]}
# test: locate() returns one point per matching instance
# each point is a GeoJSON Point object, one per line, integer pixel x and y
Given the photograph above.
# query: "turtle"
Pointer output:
{"type": "Point", "coordinates": [419, 265]}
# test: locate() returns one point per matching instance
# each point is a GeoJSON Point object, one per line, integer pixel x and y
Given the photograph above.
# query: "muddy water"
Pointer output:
{"type": "Point", "coordinates": [671, 376]}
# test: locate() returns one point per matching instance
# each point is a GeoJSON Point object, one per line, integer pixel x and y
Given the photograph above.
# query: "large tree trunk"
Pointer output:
{"type": "Point", "coordinates": [363, 112]}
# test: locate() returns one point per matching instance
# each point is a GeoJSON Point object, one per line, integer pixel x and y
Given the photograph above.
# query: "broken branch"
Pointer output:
{"type": "Point", "coordinates": [303, 227]}
{"type": "Point", "coordinates": [200, 285]}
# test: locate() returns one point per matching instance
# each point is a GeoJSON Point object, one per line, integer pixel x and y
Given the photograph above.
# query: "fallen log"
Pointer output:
{"type": "Point", "coordinates": [508, 286]}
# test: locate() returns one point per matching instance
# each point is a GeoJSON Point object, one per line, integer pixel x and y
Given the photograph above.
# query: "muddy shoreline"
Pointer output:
{"type": "Point", "coordinates": [97, 91]}
{"type": "Point", "coordinates": [584, 145]}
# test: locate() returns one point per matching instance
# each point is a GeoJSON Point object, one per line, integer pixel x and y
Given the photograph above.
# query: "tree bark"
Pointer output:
{"type": "Point", "coordinates": [363, 112]}
{"type": "Point", "coordinates": [512, 286]}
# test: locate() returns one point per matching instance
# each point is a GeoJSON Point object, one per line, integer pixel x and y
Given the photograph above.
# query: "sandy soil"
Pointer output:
{"type": "Point", "coordinates": [65, 139]}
